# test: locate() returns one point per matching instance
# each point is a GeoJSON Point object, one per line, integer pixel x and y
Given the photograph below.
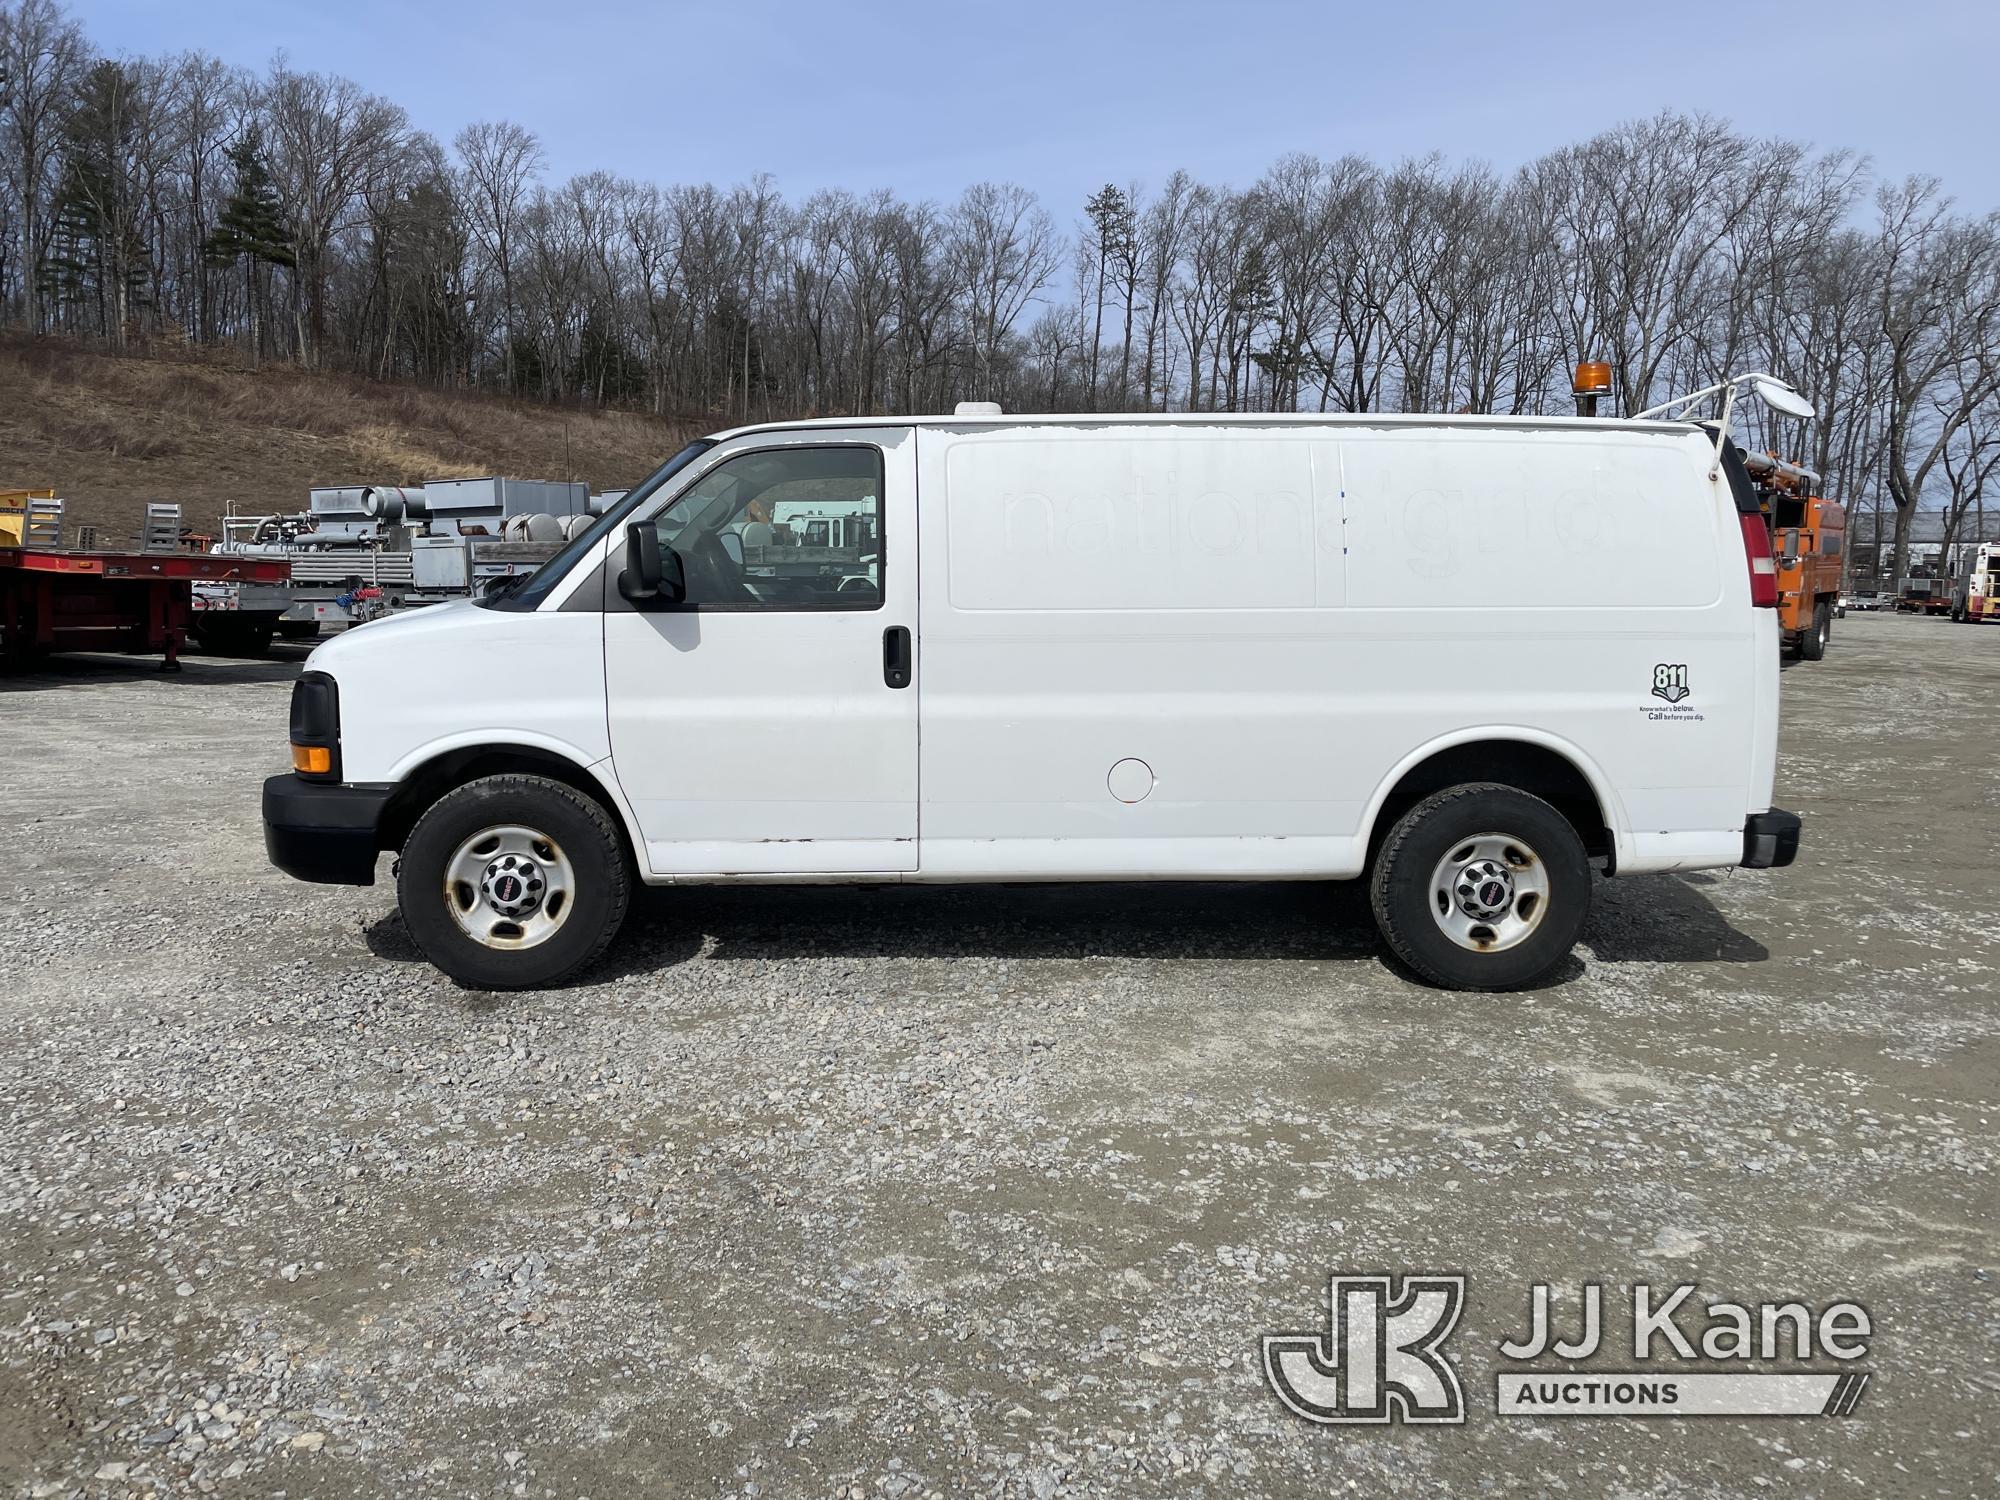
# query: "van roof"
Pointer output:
{"type": "Point", "coordinates": [1229, 419]}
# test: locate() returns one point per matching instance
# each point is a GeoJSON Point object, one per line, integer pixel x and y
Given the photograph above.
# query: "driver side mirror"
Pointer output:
{"type": "Point", "coordinates": [653, 573]}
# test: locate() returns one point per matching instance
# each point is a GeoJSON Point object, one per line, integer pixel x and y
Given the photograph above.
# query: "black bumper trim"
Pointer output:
{"type": "Point", "coordinates": [1770, 839]}
{"type": "Point", "coordinates": [323, 831]}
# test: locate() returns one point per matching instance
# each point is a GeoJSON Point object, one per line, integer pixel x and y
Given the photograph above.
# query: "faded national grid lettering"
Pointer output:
{"type": "Point", "coordinates": [1436, 524]}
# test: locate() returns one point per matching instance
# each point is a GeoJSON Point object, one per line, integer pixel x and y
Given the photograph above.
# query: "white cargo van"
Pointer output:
{"type": "Point", "coordinates": [1464, 656]}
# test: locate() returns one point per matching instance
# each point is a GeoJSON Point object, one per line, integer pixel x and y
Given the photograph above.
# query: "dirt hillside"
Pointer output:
{"type": "Point", "coordinates": [109, 433]}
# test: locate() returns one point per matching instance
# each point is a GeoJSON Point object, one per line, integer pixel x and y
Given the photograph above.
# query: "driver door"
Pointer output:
{"type": "Point", "coordinates": [754, 727]}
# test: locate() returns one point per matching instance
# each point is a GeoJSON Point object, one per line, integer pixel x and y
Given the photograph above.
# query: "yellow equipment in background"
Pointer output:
{"type": "Point", "coordinates": [14, 514]}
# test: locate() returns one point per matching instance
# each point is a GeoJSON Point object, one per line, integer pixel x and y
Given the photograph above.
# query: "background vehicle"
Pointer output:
{"type": "Point", "coordinates": [363, 551]}
{"type": "Point", "coordinates": [1808, 538]}
{"type": "Point", "coordinates": [138, 597]}
{"type": "Point", "coordinates": [1924, 596]}
{"type": "Point", "coordinates": [1976, 593]}
{"type": "Point", "coordinates": [1100, 649]}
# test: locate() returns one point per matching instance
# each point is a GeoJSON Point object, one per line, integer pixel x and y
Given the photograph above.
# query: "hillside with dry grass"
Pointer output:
{"type": "Point", "coordinates": [111, 432]}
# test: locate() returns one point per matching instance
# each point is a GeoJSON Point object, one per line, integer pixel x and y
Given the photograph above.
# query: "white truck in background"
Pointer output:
{"type": "Point", "coordinates": [1975, 593]}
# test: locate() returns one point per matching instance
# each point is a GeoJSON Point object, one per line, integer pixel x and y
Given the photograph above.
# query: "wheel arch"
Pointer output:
{"type": "Point", "coordinates": [418, 787]}
{"type": "Point", "coordinates": [1531, 760]}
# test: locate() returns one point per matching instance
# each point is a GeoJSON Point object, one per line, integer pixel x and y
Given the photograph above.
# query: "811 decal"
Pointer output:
{"type": "Point", "coordinates": [1670, 681]}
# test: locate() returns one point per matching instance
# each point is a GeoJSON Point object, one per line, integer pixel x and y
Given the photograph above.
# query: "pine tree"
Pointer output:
{"type": "Point", "coordinates": [251, 231]}
{"type": "Point", "coordinates": [1113, 229]}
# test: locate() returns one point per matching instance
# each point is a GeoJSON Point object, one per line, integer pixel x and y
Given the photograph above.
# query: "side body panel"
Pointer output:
{"type": "Point", "coordinates": [1194, 650]}
{"type": "Point", "coordinates": [414, 686]}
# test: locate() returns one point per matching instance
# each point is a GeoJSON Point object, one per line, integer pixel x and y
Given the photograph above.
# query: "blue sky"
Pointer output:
{"type": "Point", "coordinates": [925, 98]}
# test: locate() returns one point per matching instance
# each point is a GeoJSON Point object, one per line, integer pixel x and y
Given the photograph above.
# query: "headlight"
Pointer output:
{"type": "Point", "coordinates": [316, 727]}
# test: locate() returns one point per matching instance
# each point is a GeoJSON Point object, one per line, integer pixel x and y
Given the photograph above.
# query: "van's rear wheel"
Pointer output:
{"type": "Point", "coordinates": [1812, 641]}
{"type": "Point", "coordinates": [513, 882]}
{"type": "Point", "coordinates": [1481, 887]}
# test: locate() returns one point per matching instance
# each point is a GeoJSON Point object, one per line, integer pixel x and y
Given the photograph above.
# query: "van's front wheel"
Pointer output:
{"type": "Point", "coordinates": [1481, 887]}
{"type": "Point", "coordinates": [513, 882]}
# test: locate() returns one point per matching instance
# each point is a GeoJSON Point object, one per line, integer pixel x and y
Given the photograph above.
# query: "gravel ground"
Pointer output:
{"type": "Point", "coordinates": [960, 1191]}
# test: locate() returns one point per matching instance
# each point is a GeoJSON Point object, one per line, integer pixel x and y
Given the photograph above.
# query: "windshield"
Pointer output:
{"type": "Point", "coordinates": [532, 590]}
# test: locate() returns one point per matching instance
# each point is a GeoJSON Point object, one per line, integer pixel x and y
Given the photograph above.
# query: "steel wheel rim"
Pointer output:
{"type": "Point", "coordinates": [509, 887]}
{"type": "Point", "coordinates": [1490, 892]}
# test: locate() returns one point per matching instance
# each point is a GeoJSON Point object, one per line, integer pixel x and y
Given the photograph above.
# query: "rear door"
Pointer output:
{"type": "Point", "coordinates": [754, 727]}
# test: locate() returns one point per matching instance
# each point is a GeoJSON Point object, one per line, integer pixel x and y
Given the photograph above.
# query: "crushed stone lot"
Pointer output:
{"type": "Point", "coordinates": [953, 1191]}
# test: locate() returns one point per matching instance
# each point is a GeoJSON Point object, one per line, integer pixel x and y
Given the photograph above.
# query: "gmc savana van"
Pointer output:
{"type": "Point", "coordinates": [1466, 657]}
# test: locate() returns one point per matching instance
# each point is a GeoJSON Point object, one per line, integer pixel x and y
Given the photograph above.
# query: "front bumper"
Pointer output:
{"type": "Point", "coordinates": [1770, 839]}
{"type": "Point", "coordinates": [323, 831]}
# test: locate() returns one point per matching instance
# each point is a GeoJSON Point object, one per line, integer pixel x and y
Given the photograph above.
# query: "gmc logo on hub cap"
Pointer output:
{"type": "Point", "coordinates": [1379, 1359]}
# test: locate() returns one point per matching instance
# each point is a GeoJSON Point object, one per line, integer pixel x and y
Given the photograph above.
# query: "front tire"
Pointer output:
{"type": "Point", "coordinates": [513, 882]}
{"type": "Point", "coordinates": [1812, 644]}
{"type": "Point", "coordinates": [1481, 887]}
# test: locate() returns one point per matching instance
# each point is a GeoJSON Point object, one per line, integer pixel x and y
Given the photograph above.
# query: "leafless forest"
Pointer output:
{"type": "Point", "coordinates": [301, 218]}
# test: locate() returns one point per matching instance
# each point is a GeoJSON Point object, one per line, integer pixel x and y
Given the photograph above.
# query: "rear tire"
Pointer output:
{"type": "Point", "coordinates": [1812, 642]}
{"type": "Point", "coordinates": [534, 865]}
{"type": "Point", "coordinates": [1451, 883]}
{"type": "Point", "coordinates": [233, 636]}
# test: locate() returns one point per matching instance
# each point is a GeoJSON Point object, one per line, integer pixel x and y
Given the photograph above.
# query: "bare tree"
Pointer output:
{"type": "Point", "coordinates": [301, 217]}
{"type": "Point", "coordinates": [500, 161]}
{"type": "Point", "coordinates": [1005, 249]}
{"type": "Point", "coordinates": [1939, 304]}
{"type": "Point", "coordinates": [326, 135]}
{"type": "Point", "coordinates": [42, 58]}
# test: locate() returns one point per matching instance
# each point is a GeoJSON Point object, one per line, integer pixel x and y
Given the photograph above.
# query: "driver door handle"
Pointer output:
{"type": "Point", "coordinates": [896, 656]}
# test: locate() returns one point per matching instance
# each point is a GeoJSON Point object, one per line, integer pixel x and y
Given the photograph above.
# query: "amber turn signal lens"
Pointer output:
{"type": "Point", "coordinates": [314, 760]}
{"type": "Point", "coordinates": [1593, 378]}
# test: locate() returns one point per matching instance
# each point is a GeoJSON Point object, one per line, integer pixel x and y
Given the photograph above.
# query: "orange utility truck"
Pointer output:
{"type": "Point", "coordinates": [1809, 541]}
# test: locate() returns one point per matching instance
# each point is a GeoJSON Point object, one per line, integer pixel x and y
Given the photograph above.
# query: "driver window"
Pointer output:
{"type": "Point", "coordinates": [782, 528]}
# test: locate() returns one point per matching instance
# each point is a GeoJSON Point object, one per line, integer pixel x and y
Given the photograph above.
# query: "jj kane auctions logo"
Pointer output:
{"type": "Point", "coordinates": [1381, 1357]}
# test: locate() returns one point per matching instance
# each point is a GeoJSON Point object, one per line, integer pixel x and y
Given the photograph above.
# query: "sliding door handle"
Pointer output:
{"type": "Point", "coordinates": [896, 656]}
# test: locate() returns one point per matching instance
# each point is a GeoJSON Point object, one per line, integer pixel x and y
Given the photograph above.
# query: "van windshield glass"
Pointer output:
{"type": "Point", "coordinates": [529, 593]}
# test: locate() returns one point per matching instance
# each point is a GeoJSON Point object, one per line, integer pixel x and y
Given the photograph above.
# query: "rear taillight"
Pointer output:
{"type": "Point", "coordinates": [1763, 567]}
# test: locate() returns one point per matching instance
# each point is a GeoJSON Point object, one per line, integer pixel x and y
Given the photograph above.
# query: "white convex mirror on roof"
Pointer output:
{"type": "Point", "coordinates": [1782, 399]}
{"type": "Point", "coordinates": [1774, 393]}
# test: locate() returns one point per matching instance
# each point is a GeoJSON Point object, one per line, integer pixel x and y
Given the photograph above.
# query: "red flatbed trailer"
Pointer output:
{"type": "Point", "coordinates": [137, 602]}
